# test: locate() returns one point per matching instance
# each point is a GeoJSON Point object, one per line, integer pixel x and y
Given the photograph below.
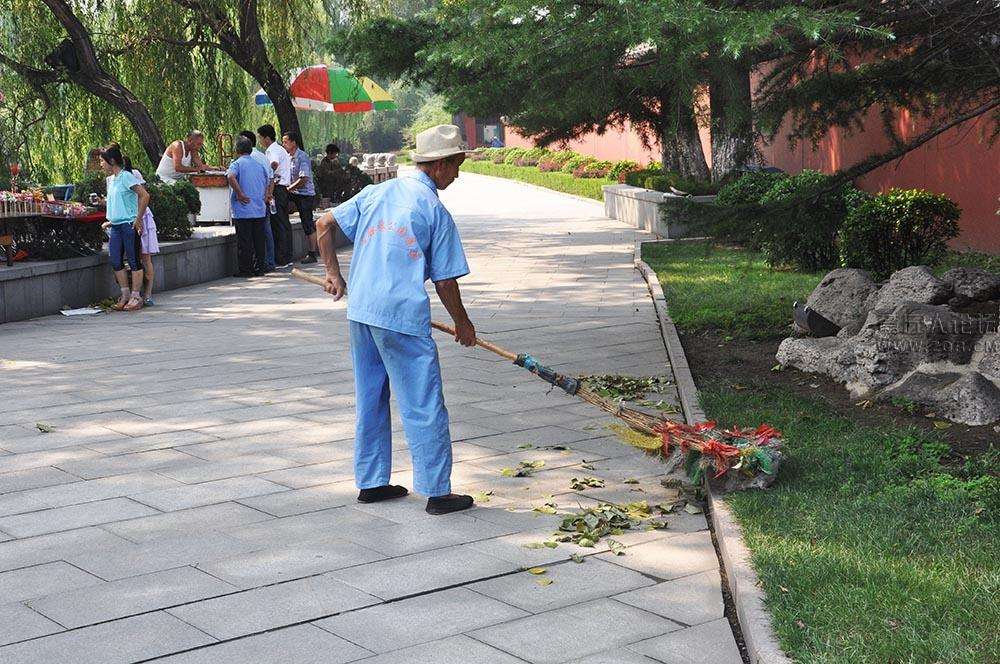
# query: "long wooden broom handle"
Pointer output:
{"type": "Point", "coordinates": [447, 329]}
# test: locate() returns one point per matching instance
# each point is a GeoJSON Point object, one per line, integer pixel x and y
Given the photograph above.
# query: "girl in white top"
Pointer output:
{"type": "Point", "coordinates": [150, 245]}
{"type": "Point", "coordinates": [182, 157]}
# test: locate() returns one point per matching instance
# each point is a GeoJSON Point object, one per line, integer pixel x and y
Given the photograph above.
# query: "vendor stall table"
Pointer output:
{"type": "Point", "coordinates": [50, 236]}
{"type": "Point", "coordinates": [213, 190]}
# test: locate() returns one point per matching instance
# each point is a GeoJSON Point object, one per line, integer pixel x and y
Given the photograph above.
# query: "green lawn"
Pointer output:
{"type": "Point", "coordinates": [867, 539]}
{"type": "Point", "coordinates": [874, 545]}
{"type": "Point", "coordinates": [564, 182]}
{"type": "Point", "coordinates": [732, 290]}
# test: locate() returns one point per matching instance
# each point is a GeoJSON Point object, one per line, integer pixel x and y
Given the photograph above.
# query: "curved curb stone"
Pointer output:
{"type": "Point", "coordinates": [755, 622]}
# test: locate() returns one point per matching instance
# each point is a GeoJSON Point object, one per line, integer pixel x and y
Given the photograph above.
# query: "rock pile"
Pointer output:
{"type": "Point", "coordinates": [930, 340]}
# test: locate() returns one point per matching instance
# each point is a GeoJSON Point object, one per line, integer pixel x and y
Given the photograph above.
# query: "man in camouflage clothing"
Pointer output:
{"type": "Point", "coordinates": [332, 181]}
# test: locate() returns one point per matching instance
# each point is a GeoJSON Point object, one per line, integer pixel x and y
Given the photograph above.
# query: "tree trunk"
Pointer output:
{"type": "Point", "coordinates": [247, 49]}
{"type": "Point", "coordinates": [732, 124]}
{"type": "Point", "coordinates": [110, 90]}
{"type": "Point", "coordinates": [78, 58]}
{"type": "Point", "coordinates": [277, 90]}
{"type": "Point", "coordinates": [681, 144]}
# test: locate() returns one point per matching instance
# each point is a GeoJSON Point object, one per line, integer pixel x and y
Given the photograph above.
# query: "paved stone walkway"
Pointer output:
{"type": "Point", "coordinates": [193, 502]}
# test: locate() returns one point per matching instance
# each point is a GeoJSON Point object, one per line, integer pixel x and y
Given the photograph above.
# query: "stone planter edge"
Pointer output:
{"type": "Point", "coordinates": [748, 597]}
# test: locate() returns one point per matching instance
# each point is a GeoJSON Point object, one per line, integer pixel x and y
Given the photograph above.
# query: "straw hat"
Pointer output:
{"type": "Point", "coordinates": [436, 143]}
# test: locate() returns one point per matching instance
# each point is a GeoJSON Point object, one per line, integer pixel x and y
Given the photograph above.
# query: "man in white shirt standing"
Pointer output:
{"type": "Point", "coordinates": [281, 165]}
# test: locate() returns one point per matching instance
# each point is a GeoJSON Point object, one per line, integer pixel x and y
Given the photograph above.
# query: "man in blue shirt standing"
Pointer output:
{"type": "Point", "coordinates": [302, 190]}
{"type": "Point", "coordinates": [403, 236]}
{"type": "Point", "coordinates": [251, 193]}
{"type": "Point", "coordinates": [261, 159]}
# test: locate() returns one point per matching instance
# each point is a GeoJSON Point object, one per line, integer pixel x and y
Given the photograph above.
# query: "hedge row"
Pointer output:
{"type": "Point", "coordinates": [811, 221]}
{"type": "Point", "coordinates": [563, 161]}
{"type": "Point", "coordinates": [557, 181]}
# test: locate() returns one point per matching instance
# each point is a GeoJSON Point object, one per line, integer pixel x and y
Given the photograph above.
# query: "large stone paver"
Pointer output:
{"type": "Point", "coordinates": [301, 644]}
{"type": "Point", "coordinates": [197, 480]}
{"type": "Point", "coordinates": [574, 631]}
{"type": "Point", "coordinates": [120, 642]}
{"type": "Point", "coordinates": [419, 619]}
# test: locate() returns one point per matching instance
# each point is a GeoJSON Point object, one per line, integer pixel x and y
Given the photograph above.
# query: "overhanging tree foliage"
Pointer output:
{"type": "Point", "coordinates": [49, 123]}
{"type": "Point", "coordinates": [235, 28]}
{"type": "Point", "coordinates": [560, 69]}
{"type": "Point", "coordinates": [75, 59]}
{"type": "Point", "coordinates": [943, 67]}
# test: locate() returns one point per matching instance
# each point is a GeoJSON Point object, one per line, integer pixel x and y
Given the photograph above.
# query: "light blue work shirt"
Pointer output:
{"type": "Point", "coordinates": [261, 159]}
{"type": "Point", "coordinates": [253, 178]}
{"type": "Point", "coordinates": [302, 165]}
{"type": "Point", "coordinates": [403, 236]}
{"type": "Point", "coordinates": [123, 203]}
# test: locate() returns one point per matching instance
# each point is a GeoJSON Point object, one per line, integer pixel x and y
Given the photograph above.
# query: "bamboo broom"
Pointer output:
{"type": "Point", "coordinates": [720, 450]}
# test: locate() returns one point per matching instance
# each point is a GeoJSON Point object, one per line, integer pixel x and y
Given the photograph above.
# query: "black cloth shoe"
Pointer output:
{"type": "Point", "coordinates": [453, 502]}
{"type": "Point", "coordinates": [309, 258]}
{"type": "Point", "coordinates": [380, 493]}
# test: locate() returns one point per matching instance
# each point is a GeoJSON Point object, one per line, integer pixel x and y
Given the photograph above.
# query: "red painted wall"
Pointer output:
{"type": "Point", "coordinates": [614, 145]}
{"type": "Point", "coordinates": [959, 163]}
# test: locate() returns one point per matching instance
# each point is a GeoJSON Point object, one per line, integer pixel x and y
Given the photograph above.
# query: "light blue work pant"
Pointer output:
{"type": "Point", "coordinates": [268, 245]}
{"type": "Point", "coordinates": [409, 364]}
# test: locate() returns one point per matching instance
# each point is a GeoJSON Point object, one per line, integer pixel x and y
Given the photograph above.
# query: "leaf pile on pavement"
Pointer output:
{"type": "Point", "coordinates": [524, 469]}
{"type": "Point", "coordinates": [586, 483]}
{"type": "Point", "coordinates": [587, 527]}
{"type": "Point", "coordinates": [628, 388]}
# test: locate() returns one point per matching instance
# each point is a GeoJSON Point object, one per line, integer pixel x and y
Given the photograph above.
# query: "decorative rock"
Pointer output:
{"type": "Point", "coordinates": [890, 346]}
{"type": "Point", "coordinates": [825, 356]}
{"type": "Point", "coordinates": [973, 283]}
{"type": "Point", "coordinates": [971, 399]}
{"type": "Point", "coordinates": [989, 362]}
{"type": "Point", "coordinates": [841, 296]}
{"type": "Point", "coordinates": [919, 387]}
{"type": "Point", "coordinates": [911, 284]}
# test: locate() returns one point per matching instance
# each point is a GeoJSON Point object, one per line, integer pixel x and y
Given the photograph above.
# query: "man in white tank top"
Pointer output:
{"type": "Point", "coordinates": [182, 157]}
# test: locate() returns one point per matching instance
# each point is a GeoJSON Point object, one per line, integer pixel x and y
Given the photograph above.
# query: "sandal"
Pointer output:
{"type": "Point", "coordinates": [134, 304]}
{"type": "Point", "coordinates": [120, 304]}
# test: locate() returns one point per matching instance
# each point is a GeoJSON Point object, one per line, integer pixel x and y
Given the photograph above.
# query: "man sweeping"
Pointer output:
{"type": "Point", "coordinates": [403, 236]}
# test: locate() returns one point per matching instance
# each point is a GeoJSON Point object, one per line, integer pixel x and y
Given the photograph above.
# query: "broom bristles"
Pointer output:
{"type": "Point", "coordinates": [641, 422]}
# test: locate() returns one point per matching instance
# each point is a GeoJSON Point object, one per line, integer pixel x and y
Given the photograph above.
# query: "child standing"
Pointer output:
{"type": "Point", "coordinates": [127, 202]}
{"type": "Point", "coordinates": [147, 245]}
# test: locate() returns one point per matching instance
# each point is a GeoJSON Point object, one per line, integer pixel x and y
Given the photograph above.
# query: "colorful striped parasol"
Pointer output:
{"type": "Point", "coordinates": [333, 90]}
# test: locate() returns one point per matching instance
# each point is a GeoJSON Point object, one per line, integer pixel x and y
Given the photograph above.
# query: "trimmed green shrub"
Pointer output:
{"type": "Point", "coordinates": [171, 204]}
{"type": "Point", "coordinates": [555, 160]}
{"type": "Point", "coordinates": [638, 178]}
{"type": "Point", "coordinates": [621, 168]}
{"type": "Point", "coordinates": [748, 189]}
{"type": "Point", "coordinates": [741, 218]}
{"type": "Point", "coordinates": [899, 228]}
{"type": "Point", "coordinates": [93, 182]}
{"type": "Point", "coordinates": [575, 162]}
{"type": "Point", "coordinates": [801, 219]}
{"type": "Point", "coordinates": [513, 155]}
{"type": "Point", "coordinates": [657, 182]}
{"type": "Point", "coordinates": [594, 169]}
{"type": "Point", "coordinates": [694, 187]}
{"type": "Point", "coordinates": [531, 157]}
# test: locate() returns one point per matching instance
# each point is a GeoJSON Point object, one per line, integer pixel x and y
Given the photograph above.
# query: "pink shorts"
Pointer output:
{"type": "Point", "coordinates": [150, 244]}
